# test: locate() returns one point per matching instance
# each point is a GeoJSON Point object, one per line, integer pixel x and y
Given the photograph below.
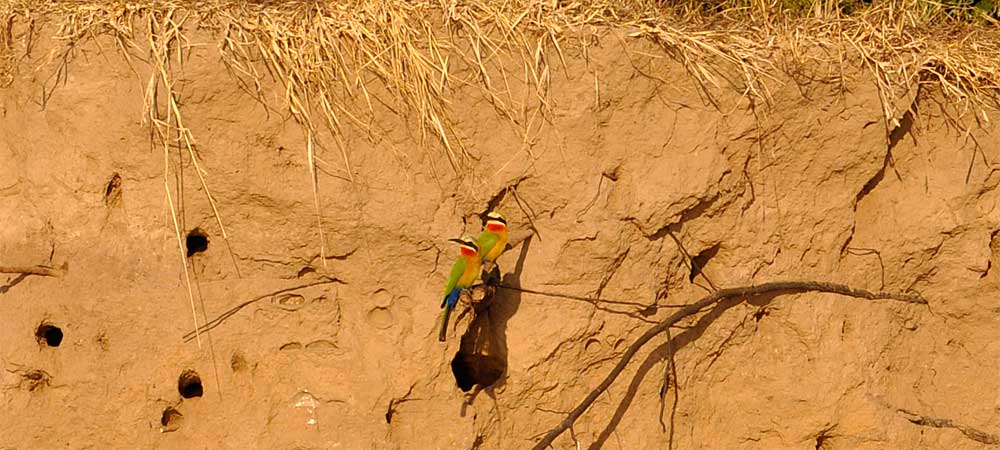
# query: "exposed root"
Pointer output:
{"type": "Point", "coordinates": [781, 287]}
{"type": "Point", "coordinates": [969, 432]}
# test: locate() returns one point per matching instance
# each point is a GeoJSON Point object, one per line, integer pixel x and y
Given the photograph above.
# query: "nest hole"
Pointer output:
{"type": "Point", "coordinates": [196, 242]}
{"type": "Point", "coordinates": [49, 335]}
{"type": "Point", "coordinates": [476, 369]}
{"type": "Point", "coordinates": [238, 362]}
{"type": "Point", "coordinates": [171, 418]}
{"type": "Point", "coordinates": [189, 384]}
{"type": "Point", "coordinates": [33, 380]}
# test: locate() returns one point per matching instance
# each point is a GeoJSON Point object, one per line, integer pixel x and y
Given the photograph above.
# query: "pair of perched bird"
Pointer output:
{"type": "Point", "coordinates": [487, 248]}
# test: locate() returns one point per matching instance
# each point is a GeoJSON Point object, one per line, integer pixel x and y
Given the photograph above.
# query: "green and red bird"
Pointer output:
{"type": "Point", "coordinates": [463, 274]}
{"type": "Point", "coordinates": [493, 240]}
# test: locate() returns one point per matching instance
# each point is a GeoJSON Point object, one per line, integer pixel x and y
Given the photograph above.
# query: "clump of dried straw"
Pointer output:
{"type": "Point", "coordinates": [326, 54]}
{"type": "Point", "coordinates": [402, 55]}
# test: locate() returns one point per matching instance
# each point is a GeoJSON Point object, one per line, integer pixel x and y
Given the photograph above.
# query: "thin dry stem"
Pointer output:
{"type": "Point", "coordinates": [315, 187]}
{"type": "Point", "coordinates": [180, 247]}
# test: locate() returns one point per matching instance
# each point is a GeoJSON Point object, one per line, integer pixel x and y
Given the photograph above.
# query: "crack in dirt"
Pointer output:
{"type": "Point", "coordinates": [297, 261]}
{"type": "Point", "coordinates": [701, 260]}
{"type": "Point", "coordinates": [686, 215]}
{"type": "Point", "coordinates": [610, 272]}
{"type": "Point", "coordinates": [611, 175]}
{"type": "Point", "coordinates": [391, 411]}
{"type": "Point", "coordinates": [895, 135]}
{"type": "Point", "coordinates": [934, 422]}
{"type": "Point", "coordinates": [989, 260]}
{"type": "Point", "coordinates": [337, 257]}
{"type": "Point", "coordinates": [495, 200]}
{"type": "Point", "coordinates": [730, 341]}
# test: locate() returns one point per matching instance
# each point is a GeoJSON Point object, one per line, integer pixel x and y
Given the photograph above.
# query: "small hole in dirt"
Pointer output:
{"type": "Point", "coordinates": [33, 380]}
{"type": "Point", "coordinates": [612, 173]}
{"type": "Point", "coordinates": [238, 362]}
{"type": "Point", "coordinates": [197, 242]}
{"type": "Point", "coordinates": [189, 384]}
{"type": "Point", "coordinates": [113, 191]}
{"type": "Point", "coordinates": [171, 417]}
{"type": "Point", "coordinates": [49, 334]}
{"type": "Point", "coordinates": [390, 411]}
{"type": "Point", "coordinates": [698, 262]}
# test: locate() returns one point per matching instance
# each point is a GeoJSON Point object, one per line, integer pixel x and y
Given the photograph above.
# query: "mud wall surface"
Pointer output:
{"type": "Point", "coordinates": [642, 192]}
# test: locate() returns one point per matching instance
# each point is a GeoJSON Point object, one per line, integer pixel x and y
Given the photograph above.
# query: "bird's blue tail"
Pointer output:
{"type": "Point", "coordinates": [451, 299]}
{"type": "Point", "coordinates": [448, 304]}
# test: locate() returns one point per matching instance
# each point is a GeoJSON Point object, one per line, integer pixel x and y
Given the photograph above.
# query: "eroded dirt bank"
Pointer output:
{"type": "Point", "coordinates": [631, 170]}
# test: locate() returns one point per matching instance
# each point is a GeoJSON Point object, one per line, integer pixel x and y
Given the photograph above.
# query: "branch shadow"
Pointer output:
{"type": "Point", "coordinates": [17, 280]}
{"type": "Point", "coordinates": [481, 361]}
{"type": "Point", "coordinates": [664, 351]}
{"type": "Point", "coordinates": [221, 318]}
{"type": "Point", "coordinates": [641, 311]}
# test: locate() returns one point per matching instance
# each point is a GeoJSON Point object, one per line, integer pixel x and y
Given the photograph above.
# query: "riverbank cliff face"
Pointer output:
{"type": "Point", "coordinates": [640, 192]}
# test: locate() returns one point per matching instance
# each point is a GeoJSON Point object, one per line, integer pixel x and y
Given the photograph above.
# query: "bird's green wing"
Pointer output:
{"type": "Point", "coordinates": [487, 240]}
{"type": "Point", "coordinates": [456, 272]}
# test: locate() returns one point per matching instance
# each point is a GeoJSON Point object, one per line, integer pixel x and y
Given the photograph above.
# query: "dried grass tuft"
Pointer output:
{"type": "Point", "coordinates": [411, 57]}
{"type": "Point", "coordinates": [404, 55]}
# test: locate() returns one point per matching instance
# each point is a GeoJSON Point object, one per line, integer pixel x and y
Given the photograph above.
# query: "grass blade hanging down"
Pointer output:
{"type": "Point", "coordinates": [160, 37]}
{"type": "Point", "coordinates": [173, 122]}
{"type": "Point", "coordinates": [180, 241]}
{"type": "Point", "coordinates": [401, 47]}
{"type": "Point", "coordinates": [161, 127]}
{"type": "Point", "coordinates": [315, 189]}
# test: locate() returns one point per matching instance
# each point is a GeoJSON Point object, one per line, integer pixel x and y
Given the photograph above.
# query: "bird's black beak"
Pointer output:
{"type": "Point", "coordinates": [457, 241]}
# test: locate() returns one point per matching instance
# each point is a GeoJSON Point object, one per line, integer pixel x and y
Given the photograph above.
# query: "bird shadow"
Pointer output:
{"type": "Point", "coordinates": [481, 361]}
{"type": "Point", "coordinates": [665, 352]}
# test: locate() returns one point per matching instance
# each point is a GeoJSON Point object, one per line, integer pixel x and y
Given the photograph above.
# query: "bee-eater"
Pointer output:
{"type": "Point", "coordinates": [493, 240]}
{"type": "Point", "coordinates": [463, 273]}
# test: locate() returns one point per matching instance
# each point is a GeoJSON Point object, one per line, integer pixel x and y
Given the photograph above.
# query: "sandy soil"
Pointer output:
{"type": "Point", "coordinates": [630, 174]}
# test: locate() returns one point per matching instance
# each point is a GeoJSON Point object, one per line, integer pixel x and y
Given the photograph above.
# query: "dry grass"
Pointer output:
{"type": "Point", "coordinates": [411, 57]}
{"type": "Point", "coordinates": [403, 54]}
